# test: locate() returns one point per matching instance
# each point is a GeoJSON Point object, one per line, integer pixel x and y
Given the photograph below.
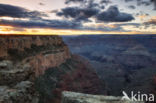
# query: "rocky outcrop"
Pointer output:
{"type": "Point", "coordinates": [73, 75]}
{"type": "Point", "coordinates": [49, 59]}
{"type": "Point", "coordinates": [16, 84]}
{"type": "Point", "coordinates": [41, 52]}
{"type": "Point", "coordinates": [71, 97]}
{"type": "Point", "coordinates": [10, 44]}
{"type": "Point", "coordinates": [22, 60]}
{"type": "Point", "coordinates": [39, 68]}
{"type": "Point", "coordinates": [22, 92]}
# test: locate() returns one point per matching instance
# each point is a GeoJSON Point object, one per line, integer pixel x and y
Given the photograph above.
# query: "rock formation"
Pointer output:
{"type": "Point", "coordinates": [38, 68]}
{"type": "Point", "coordinates": [73, 75]}
{"type": "Point", "coordinates": [16, 85]}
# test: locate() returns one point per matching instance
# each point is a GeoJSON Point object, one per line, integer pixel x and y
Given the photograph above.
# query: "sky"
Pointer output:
{"type": "Point", "coordinates": [77, 17]}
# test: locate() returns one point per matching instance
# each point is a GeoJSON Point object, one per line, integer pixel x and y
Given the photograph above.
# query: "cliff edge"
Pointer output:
{"type": "Point", "coordinates": [36, 69]}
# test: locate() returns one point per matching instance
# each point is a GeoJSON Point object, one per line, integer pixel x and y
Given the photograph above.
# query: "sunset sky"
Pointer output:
{"type": "Point", "coordinates": [69, 17]}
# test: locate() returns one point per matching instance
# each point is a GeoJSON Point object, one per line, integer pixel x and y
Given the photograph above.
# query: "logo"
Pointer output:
{"type": "Point", "coordinates": [138, 97]}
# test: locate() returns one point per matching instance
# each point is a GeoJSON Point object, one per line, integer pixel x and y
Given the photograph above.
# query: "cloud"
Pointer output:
{"type": "Point", "coordinates": [55, 24]}
{"type": "Point", "coordinates": [18, 12]}
{"type": "Point", "coordinates": [128, 24]}
{"type": "Point", "coordinates": [152, 21]}
{"type": "Point", "coordinates": [104, 28]}
{"type": "Point", "coordinates": [69, 12]}
{"type": "Point", "coordinates": [74, 15]}
{"type": "Point", "coordinates": [54, 11]}
{"type": "Point", "coordinates": [106, 2]}
{"type": "Point", "coordinates": [131, 7]}
{"type": "Point", "coordinates": [128, 0]}
{"type": "Point", "coordinates": [60, 24]}
{"type": "Point", "coordinates": [142, 16]}
{"type": "Point", "coordinates": [78, 14]}
{"type": "Point", "coordinates": [74, 1]}
{"type": "Point", "coordinates": [112, 14]}
{"type": "Point", "coordinates": [154, 1]}
{"type": "Point", "coordinates": [94, 10]}
{"type": "Point", "coordinates": [41, 4]}
{"type": "Point", "coordinates": [145, 3]}
{"type": "Point", "coordinates": [90, 3]}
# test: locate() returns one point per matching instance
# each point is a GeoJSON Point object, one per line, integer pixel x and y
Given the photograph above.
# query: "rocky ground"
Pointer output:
{"type": "Point", "coordinates": [72, 97]}
{"type": "Point", "coordinates": [16, 85]}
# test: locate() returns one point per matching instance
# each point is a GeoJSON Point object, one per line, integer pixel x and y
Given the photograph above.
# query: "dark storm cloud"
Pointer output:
{"type": "Point", "coordinates": [93, 9]}
{"type": "Point", "coordinates": [18, 12]}
{"type": "Point", "coordinates": [60, 24]}
{"type": "Point", "coordinates": [91, 4]}
{"type": "Point", "coordinates": [76, 13]}
{"type": "Point", "coordinates": [69, 12]}
{"type": "Point", "coordinates": [73, 17]}
{"type": "Point", "coordinates": [112, 14]}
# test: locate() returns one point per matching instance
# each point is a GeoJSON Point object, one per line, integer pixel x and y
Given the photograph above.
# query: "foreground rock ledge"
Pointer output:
{"type": "Point", "coordinates": [72, 97]}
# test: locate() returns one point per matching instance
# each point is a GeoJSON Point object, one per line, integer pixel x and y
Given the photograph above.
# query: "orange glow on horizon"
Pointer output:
{"type": "Point", "coordinates": [39, 31]}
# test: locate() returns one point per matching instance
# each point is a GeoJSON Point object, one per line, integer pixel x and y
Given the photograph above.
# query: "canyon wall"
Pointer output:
{"type": "Point", "coordinates": [26, 42]}
{"type": "Point", "coordinates": [41, 52]}
{"type": "Point", "coordinates": [39, 68]}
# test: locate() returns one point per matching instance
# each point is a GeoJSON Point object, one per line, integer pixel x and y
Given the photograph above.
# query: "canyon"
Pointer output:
{"type": "Point", "coordinates": [123, 62]}
{"type": "Point", "coordinates": [39, 69]}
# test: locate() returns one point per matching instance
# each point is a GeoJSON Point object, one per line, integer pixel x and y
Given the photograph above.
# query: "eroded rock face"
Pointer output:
{"type": "Point", "coordinates": [38, 68]}
{"type": "Point", "coordinates": [41, 52]}
{"type": "Point", "coordinates": [72, 97]}
{"type": "Point", "coordinates": [22, 60]}
{"type": "Point", "coordinates": [49, 59]}
{"type": "Point", "coordinates": [10, 44]}
{"type": "Point", "coordinates": [73, 75]}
